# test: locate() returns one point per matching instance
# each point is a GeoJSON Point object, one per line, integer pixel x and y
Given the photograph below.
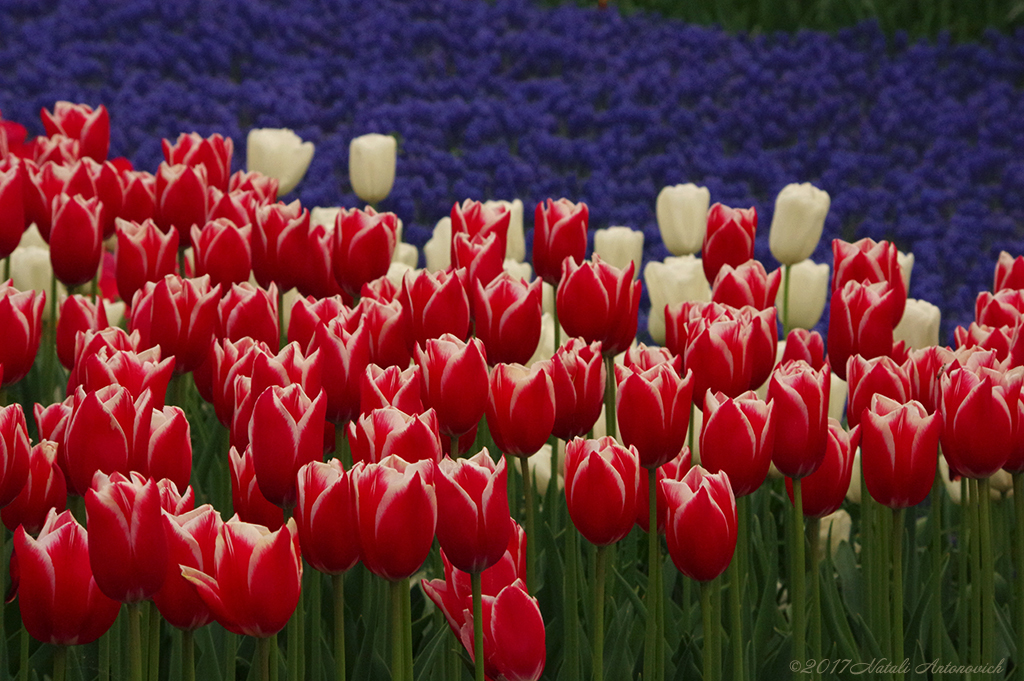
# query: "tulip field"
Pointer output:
{"type": "Point", "coordinates": [463, 340]}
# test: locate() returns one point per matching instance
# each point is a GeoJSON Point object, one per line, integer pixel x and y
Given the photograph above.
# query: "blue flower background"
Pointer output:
{"type": "Point", "coordinates": [917, 142]}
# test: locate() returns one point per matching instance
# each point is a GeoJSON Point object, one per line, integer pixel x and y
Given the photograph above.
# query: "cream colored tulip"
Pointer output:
{"type": "Point", "coordinates": [676, 280]}
{"type": "Point", "coordinates": [808, 289]}
{"type": "Point", "coordinates": [515, 240]}
{"type": "Point", "coordinates": [682, 213]}
{"type": "Point", "coordinates": [406, 254]}
{"type": "Point", "coordinates": [371, 166]}
{"type": "Point", "coordinates": [618, 246]}
{"type": "Point", "coordinates": [906, 263]}
{"type": "Point", "coordinates": [797, 222]}
{"type": "Point", "coordinates": [278, 153]}
{"type": "Point", "coordinates": [919, 327]}
{"type": "Point", "coordinates": [438, 248]}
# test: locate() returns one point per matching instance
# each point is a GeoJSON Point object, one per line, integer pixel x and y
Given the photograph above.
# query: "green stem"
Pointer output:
{"type": "Point", "coordinates": [153, 656]}
{"type": "Point", "coordinates": [275, 652]}
{"type": "Point", "coordinates": [407, 628]}
{"type": "Point", "coordinates": [188, 655]}
{"type": "Point", "coordinates": [531, 537]}
{"type": "Point", "coordinates": [315, 621]}
{"type": "Point", "coordinates": [598, 646]}
{"type": "Point", "coordinates": [263, 649]}
{"type": "Point", "coordinates": [60, 663]}
{"type": "Point", "coordinates": [294, 646]}
{"type": "Point", "coordinates": [1018, 545]}
{"type": "Point", "coordinates": [7, 268]}
{"type": "Point", "coordinates": [814, 532]}
{"type": "Point", "coordinates": [610, 425]}
{"type": "Point", "coordinates": [963, 600]}
{"type": "Point", "coordinates": [709, 646]}
{"type": "Point", "coordinates": [735, 623]}
{"type": "Point", "coordinates": [743, 541]}
{"type": "Point", "coordinates": [882, 571]}
{"type": "Point", "coordinates": [936, 602]}
{"type": "Point", "coordinates": [897, 589]}
{"type": "Point", "coordinates": [230, 654]}
{"type": "Point", "coordinates": [799, 601]}
{"type": "Point", "coordinates": [867, 548]}
{"type": "Point", "coordinates": [786, 269]}
{"type": "Point", "coordinates": [397, 633]}
{"type": "Point", "coordinates": [976, 577]}
{"type": "Point", "coordinates": [135, 640]}
{"type": "Point", "coordinates": [181, 263]}
{"type": "Point", "coordinates": [988, 596]}
{"type": "Point", "coordinates": [4, 563]}
{"type": "Point", "coordinates": [338, 587]}
{"type": "Point", "coordinates": [301, 613]}
{"type": "Point", "coordinates": [654, 591]}
{"type": "Point", "coordinates": [478, 626]}
{"type": "Point", "coordinates": [716, 624]}
{"type": "Point", "coordinates": [571, 660]}
{"type": "Point", "coordinates": [558, 329]}
{"type": "Point", "coordinates": [23, 661]}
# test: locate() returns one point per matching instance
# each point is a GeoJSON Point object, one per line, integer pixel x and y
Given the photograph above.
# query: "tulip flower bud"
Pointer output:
{"type": "Point", "coordinates": [559, 233]}
{"type": "Point", "coordinates": [59, 599]}
{"type": "Point", "coordinates": [861, 320]}
{"type": "Point", "coordinates": [520, 407]}
{"type": "Point", "coordinates": [192, 542]}
{"type": "Point", "coordinates": [619, 246]}
{"type": "Point", "coordinates": [382, 432]}
{"type": "Point", "coordinates": [76, 239]}
{"type": "Point", "coordinates": [508, 318]}
{"type": "Point", "coordinates": [808, 290]}
{"type": "Point", "coordinates": [249, 311]}
{"type": "Point", "coordinates": [682, 214]}
{"type": "Point", "coordinates": [472, 500]}
{"type": "Point", "coordinates": [179, 315]}
{"type": "Point", "coordinates": [676, 280]}
{"type": "Point", "coordinates": [325, 516]}
{"type": "Point", "coordinates": [12, 208]}
{"type": "Point", "coordinates": [253, 588]}
{"type": "Point", "coordinates": [77, 314]}
{"type": "Point", "coordinates": [601, 482]}
{"type": "Point", "coordinates": [1009, 272]}
{"type": "Point", "coordinates": [979, 413]}
{"type": "Point", "coordinates": [181, 198]}
{"type": "Point", "coordinates": [515, 238]}
{"type": "Point", "coordinates": [729, 238]}
{"type": "Point", "coordinates": [247, 500]}
{"type": "Point", "coordinates": [653, 411]}
{"type": "Point", "coordinates": [443, 295]}
{"type": "Point", "coordinates": [213, 153]}
{"type": "Point", "coordinates": [143, 254]}
{"type": "Point", "coordinates": [701, 511]}
{"type": "Point", "coordinates": [578, 375]}
{"type": "Point", "coordinates": [800, 398]}
{"type": "Point", "coordinates": [737, 436]}
{"type": "Point", "coordinates": [44, 489]}
{"type": "Point", "coordinates": [900, 446]}
{"type": "Point", "coordinates": [748, 284]}
{"type": "Point", "coordinates": [453, 379]}
{"type": "Point", "coordinates": [598, 302]}
{"type": "Point", "coordinates": [868, 378]}
{"type": "Point", "coordinates": [222, 250]}
{"type": "Point", "coordinates": [390, 387]}
{"type": "Point", "coordinates": [806, 345]}
{"type": "Point", "coordinates": [90, 127]}
{"type": "Point", "coordinates": [823, 490]}
{"type": "Point", "coordinates": [363, 243]}
{"type": "Point", "coordinates": [797, 223]}
{"type": "Point", "coordinates": [278, 153]}
{"type": "Point", "coordinates": [371, 166]}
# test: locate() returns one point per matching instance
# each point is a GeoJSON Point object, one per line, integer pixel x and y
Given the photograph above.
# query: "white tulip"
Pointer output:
{"type": "Point", "coordinates": [797, 223]}
{"type": "Point", "coordinates": [371, 166]}
{"type": "Point", "coordinates": [323, 216]}
{"type": "Point", "coordinates": [618, 246]}
{"type": "Point", "coordinates": [808, 288]}
{"type": "Point", "coordinates": [919, 327]}
{"type": "Point", "coordinates": [837, 526]}
{"type": "Point", "coordinates": [278, 153]}
{"type": "Point", "coordinates": [682, 213]}
{"type": "Point", "coordinates": [837, 391]}
{"type": "Point", "coordinates": [515, 241]}
{"type": "Point", "coordinates": [406, 254]}
{"type": "Point", "coordinates": [853, 491]}
{"type": "Point", "coordinates": [396, 272]}
{"type": "Point", "coordinates": [540, 467]}
{"type": "Point", "coordinates": [676, 280]}
{"type": "Point", "coordinates": [519, 270]}
{"type": "Point", "coordinates": [438, 248]}
{"type": "Point", "coordinates": [547, 298]}
{"type": "Point", "coordinates": [31, 269]}
{"type": "Point", "coordinates": [546, 346]}
{"type": "Point", "coordinates": [906, 263]}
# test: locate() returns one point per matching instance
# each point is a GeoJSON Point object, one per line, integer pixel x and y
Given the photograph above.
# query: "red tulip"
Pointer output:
{"type": "Point", "coordinates": [599, 302]}
{"type": "Point", "coordinates": [729, 238]}
{"type": "Point", "coordinates": [481, 257]}
{"type": "Point", "coordinates": [640, 358]}
{"type": "Point", "coordinates": [1009, 273]}
{"type": "Point", "coordinates": [737, 436]}
{"type": "Point", "coordinates": [21, 318]}
{"type": "Point", "coordinates": [14, 452]}
{"type": "Point", "coordinates": [979, 416]}
{"type": "Point", "coordinates": [472, 501]}
{"type": "Point", "coordinates": [307, 313]}
{"type": "Point", "coordinates": [435, 303]}
{"type": "Point", "coordinates": [136, 371]}
{"type": "Point", "coordinates": [653, 411]}
{"type": "Point", "coordinates": [263, 187]}
{"type": "Point", "coordinates": [578, 375]}
{"type": "Point", "coordinates": [701, 524]}
{"type": "Point", "coordinates": [507, 313]}
{"type": "Point", "coordinates": [171, 500]}
{"type": "Point", "coordinates": [325, 516]}
{"type": "Point", "coordinates": [899, 445]}
{"type": "Point", "coordinates": [601, 482]}
{"type": "Point", "coordinates": [746, 284]}
{"type": "Point", "coordinates": [861, 321]}
{"type": "Point", "coordinates": [213, 153]}
{"type": "Point", "coordinates": [191, 542]}
{"type": "Point", "coordinates": [181, 199]}
{"type": "Point", "coordinates": [223, 251]}
{"type": "Point", "coordinates": [869, 262]}
{"type": "Point", "coordinates": [309, 256]}
{"type": "Point", "coordinates": [363, 244]}
{"type": "Point", "coordinates": [59, 600]}
{"type": "Point", "coordinates": [90, 179]}
{"type": "Point", "coordinates": [559, 232]}
{"type": "Point", "coordinates": [247, 310]}
{"type": "Point", "coordinates": [41, 184]}
{"type": "Point", "coordinates": [163, 446]}
{"type": "Point", "coordinates": [77, 313]}
{"type": "Point", "coordinates": [227, 361]}
{"type": "Point", "coordinates": [924, 369]}
{"type": "Point", "coordinates": [286, 432]}
{"type": "Point", "coordinates": [800, 398]}
{"type": "Point", "coordinates": [275, 225]}
{"type": "Point", "coordinates": [56, 149]}
{"type": "Point", "coordinates": [253, 587]}
{"type": "Point", "coordinates": [997, 339]}
{"type": "Point", "coordinates": [143, 254]}
{"type": "Point", "coordinates": [44, 489]}
{"type": "Point", "coordinates": [91, 342]}
{"type": "Point", "coordinates": [822, 492]}
{"type": "Point", "coordinates": [870, 377]}
{"type": "Point", "coordinates": [12, 209]}
{"type": "Point", "coordinates": [127, 543]}
{"type": "Point", "coordinates": [479, 221]}
{"type": "Point", "coordinates": [76, 239]}
{"type": "Point", "coordinates": [138, 200]}
{"type": "Point", "coordinates": [389, 332]}
{"type": "Point", "coordinates": [344, 356]}
{"type": "Point", "coordinates": [91, 127]}
{"type": "Point", "coordinates": [237, 207]}
{"type": "Point", "coordinates": [520, 408]}
{"type": "Point", "coordinates": [380, 433]}
{"type": "Point", "coordinates": [390, 388]}
{"type": "Point", "coordinates": [396, 509]}
{"type": "Point", "coordinates": [716, 354]}
{"type": "Point", "coordinates": [247, 500]}
{"type": "Point", "coordinates": [676, 469]}
{"type": "Point", "coordinates": [453, 381]}
{"type": "Point", "coordinates": [806, 345]}
{"type": "Point", "coordinates": [99, 435]}
{"type": "Point", "coordinates": [1004, 308]}
{"type": "Point", "coordinates": [179, 315]}
{"type": "Point", "coordinates": [52, 424]}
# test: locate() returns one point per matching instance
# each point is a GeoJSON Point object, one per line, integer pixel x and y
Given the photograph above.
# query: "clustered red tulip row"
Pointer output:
{"type": "Point", "coordinates": [408, 373]}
